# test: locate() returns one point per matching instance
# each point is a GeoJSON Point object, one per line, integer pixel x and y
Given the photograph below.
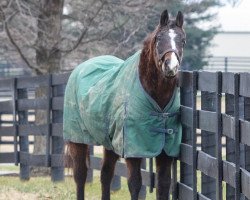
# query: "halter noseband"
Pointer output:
{"type": "Point", "coordinates": [160, 56]}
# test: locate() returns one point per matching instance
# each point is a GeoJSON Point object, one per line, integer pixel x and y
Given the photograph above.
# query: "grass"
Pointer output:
{"type": "Point", "coordinates": [36, 188]}
{"type": "Point", "coordinates": [42, 188]}
{"type": "Point", "coordinates": [5, 167]}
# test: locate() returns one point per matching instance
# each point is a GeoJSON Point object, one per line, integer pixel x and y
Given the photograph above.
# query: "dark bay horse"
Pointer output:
{"type": "Point", "coordinates": [158, 67]}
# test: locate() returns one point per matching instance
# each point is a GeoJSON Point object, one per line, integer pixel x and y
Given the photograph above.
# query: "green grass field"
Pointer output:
{"type": "Point", "coordinates": [43, 188]}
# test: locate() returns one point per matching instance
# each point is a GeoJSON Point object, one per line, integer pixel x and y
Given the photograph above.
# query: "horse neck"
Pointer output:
{"type": "Point", "coordinates": [154, 83]}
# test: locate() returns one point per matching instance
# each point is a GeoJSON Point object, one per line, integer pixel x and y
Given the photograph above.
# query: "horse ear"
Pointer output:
{"type": "Point", "coordinates": [179, 19]}
{"type": "Point", "coordinates": [164, 18]}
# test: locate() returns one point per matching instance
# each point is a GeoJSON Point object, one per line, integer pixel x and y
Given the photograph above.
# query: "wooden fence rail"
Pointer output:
{"type": "Point", "coordinates": [212, 118]}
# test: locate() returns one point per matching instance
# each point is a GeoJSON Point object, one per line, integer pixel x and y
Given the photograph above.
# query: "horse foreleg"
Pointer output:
{"type": "Point", "coordinates": [107, 172]}
{"type": "Point", "coordinates": [78, 154]}
{"type": "Point", "coordinates": [134, 177]}
{"type": "Point", "coordinates": [163, 169]}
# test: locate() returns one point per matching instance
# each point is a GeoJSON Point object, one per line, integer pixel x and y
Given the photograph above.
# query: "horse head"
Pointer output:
{"type": "Point", "coordinates": [169, 41]}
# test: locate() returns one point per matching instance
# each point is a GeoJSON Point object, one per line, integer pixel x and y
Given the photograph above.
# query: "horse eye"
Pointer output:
{"type": "Point", "coordinates": [183, 42]}
{"type": "Point", "coordinates": [158, 37]}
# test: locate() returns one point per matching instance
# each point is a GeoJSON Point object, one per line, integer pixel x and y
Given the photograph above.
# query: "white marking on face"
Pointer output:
{"type": "Point", "coordinates": [172, 35]}
{"type": "Point", "coordinates": [173, 61]}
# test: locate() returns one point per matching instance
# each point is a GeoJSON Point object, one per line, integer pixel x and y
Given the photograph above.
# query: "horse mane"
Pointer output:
{"type": "Point", "coordinates": [152, 80]}
{"type": "Point", "coordinates": [147, 65]}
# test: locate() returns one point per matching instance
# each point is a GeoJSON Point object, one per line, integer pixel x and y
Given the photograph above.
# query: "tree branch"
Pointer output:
{"type": "Point", "coordinates": [106, 34]}
{"type": "Point", "coordinates": [36, 70]}
{"type": "Point", "coordinates": [127, 39]}
{"type": "Point", "coordinates": [85, 31]}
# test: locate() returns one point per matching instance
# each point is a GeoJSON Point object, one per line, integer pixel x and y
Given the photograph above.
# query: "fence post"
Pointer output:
{"type": "Point", "coordinates": [174, 186]}
{"type": "Point", "coordinates": [24, 140]}
{"type": "Point", "coordinates": [14, 104]}
{"type": "Point", "coordinates": [242, 147]}
{"type": "Point", "coordinates": [152, 175]}
{"type": "Point", "coordinates": [208, 145]}
{"type": "Point", "coordinates": [194, 134]}
{"type": "Point", "coordinates": [57, 173]}
{"type": "Point", "coordinates": [244, 113]}
{"type": "Point", "coordinates": [247, 148]}
{"type": "Point", "coordinates": [142, 194]}
{"type": "Point", "coordinates": [218, 137]}
{"type": "Point", "coordinates": [48, 115]}
{"type": "Point", "coordinates": [116, 183]}
{"type": "Point", "coordinates": [247, 117]}
{"type": "Point", "coordinates": [230, 156]}
{"type": "Point", "coordinates": [186, 171]}
{"type": "Point", "coordinates": [90, 170]}
{"type": "Point", "coordinates": [0, 126]}
{"type": "Point", "coordinates": [237, 136]}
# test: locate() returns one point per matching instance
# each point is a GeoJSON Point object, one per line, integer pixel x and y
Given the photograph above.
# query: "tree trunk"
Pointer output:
{"type": "Point", "coordinates": [41, 117]}
{"type": "Point", "coordinates": [48, 58]}
{"type": "Point", "coordinates": [48, 55]}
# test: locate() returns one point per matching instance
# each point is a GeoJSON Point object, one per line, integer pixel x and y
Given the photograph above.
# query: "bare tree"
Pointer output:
{"type": "Point", "coordinates": [47, 35]}
{"type": "Point", "coordinates": [50, 35]}
{"type": "Point", "coordinates": [33, 28]}
{"type": "Point", "coordinates": [53, 35]}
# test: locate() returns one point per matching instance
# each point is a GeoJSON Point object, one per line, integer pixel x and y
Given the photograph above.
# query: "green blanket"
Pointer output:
{"type": "Point", "coordinates": [105, 104]}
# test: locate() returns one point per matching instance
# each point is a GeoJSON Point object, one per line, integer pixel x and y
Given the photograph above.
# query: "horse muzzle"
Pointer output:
{"type": "Point", "coordinates": [170, 66]}
{"type": "Point", "coordinates": [171, 73]}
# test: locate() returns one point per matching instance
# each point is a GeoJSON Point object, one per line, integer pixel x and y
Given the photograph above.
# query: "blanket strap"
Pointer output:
{"type": "Point", "coordinates": [164, 115]}
{"type": "Point", "coordinates": [169, 131]}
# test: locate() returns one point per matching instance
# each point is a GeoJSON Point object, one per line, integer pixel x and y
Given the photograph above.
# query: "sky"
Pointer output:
{"type": "Point", "coordinates": [235, 18]}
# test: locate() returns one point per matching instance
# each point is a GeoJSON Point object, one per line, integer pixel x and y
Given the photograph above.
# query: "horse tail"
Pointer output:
{"type": "Point", "coordinates": [75, 153]}
{"type": "Point", "coordinates": [68, 161]}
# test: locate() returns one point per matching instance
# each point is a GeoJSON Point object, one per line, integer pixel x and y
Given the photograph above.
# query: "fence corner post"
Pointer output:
{"type": "Point", "coordinates": [23, 140]}
{"type": "Point", "coordinates": [57, 172]}
{"type": "Point", "coordinates": [90, 171]}
{"type": "Point", "coordinates": [143, 191]}
{"type": "Point", "coordinates": [116, 183]}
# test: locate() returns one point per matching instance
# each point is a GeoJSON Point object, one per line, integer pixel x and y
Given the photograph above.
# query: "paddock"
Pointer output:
{"type": "Point", "coordinates": [215, 114]}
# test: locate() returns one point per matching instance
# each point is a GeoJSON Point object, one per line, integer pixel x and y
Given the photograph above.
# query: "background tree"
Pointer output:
{"type": "Point", "coordinates": [83, 29]}
{"type": "Point", "coordinates": [199, 36]}
{"type": "Point", "coordinates": [33, 29]}
{"type": "Point", "coordinates": [47, 39]}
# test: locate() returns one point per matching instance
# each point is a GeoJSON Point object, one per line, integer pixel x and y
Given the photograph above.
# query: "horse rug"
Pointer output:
{"type": "Point", "coordinates": [105, 104]}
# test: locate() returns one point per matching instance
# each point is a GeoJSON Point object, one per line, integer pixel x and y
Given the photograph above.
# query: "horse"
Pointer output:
{"type": "Point", "coordinates": [158, 64]}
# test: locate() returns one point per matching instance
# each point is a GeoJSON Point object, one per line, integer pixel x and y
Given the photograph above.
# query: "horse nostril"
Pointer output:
{"type": "Point", "coordinates": [167, 63]}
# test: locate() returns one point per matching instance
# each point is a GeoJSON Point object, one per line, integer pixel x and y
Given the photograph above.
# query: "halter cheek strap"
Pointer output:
{"type": "Point", "coordinates": [160, 56]}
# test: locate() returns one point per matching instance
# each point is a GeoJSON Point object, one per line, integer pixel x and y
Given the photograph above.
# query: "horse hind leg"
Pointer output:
{"type": "Point", "coordinates": [134, 177]}
{"type": "Point", "coordinates": [107, 172]}
{"type": "Point", "coordinates": [163, 169]}
{"type": "Point", "coordinates": [78, 153]}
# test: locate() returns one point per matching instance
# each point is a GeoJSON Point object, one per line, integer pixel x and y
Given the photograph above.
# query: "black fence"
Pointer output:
{"type": "Point", "coordinates": [233, 124]}
{"type": "Point", "coordinates": [215, 105]}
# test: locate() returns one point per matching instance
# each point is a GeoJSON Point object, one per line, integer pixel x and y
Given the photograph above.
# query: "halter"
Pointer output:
{"type": "Point", "coordinates": [160, 56]}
